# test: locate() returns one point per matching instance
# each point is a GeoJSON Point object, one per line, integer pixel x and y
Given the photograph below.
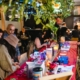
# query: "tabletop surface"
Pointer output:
{"type": "Point", "coordinates": [72, 55]}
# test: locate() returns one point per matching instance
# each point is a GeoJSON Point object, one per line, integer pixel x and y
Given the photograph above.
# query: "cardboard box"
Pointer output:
{"type": "Point", "coordinates": [33, 65]}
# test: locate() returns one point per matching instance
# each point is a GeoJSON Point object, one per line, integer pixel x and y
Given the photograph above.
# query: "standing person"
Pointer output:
{"type": "Point", "coordinates": [7, 54]}
{"type": "Point", "coordinates": [10, 30]}
{"type": "Point", "coordinates": [58, 25]}
{"type": "Point", "coordinates": [63, 29]}
{"type": "Point", "coordinates": [75, 32]}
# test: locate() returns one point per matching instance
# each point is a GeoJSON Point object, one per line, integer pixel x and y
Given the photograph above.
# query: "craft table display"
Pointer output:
{"type": "Point", "coordinates": [72, 55]}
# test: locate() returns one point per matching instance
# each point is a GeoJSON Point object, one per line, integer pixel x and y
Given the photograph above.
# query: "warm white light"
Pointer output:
{"type": "Point", "coordinates": [17, 16]}
{"type": "Point", "coordinates": [10, 16]}
{"type": "Point", "coordinates": [78, 23]}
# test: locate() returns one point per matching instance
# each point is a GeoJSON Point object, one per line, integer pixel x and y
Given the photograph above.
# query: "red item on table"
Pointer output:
{"type": "Point", "coordinates": [52, 66]}
{"type": "Point", "coordinates": [72, 55]}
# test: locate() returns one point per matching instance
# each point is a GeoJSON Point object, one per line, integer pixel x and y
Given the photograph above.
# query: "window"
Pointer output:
{"type": "Point", "coordinates": [76, 10]}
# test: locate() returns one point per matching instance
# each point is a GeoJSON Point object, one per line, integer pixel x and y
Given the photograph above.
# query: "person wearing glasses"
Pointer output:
{"type": "Point", "coordinates": [10, 30]}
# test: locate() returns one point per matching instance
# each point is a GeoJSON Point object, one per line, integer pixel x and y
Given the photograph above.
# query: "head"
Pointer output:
{"type": "Point", "coordinates": [62, 39]}
{"type": "Point", "coordinates": [1, 33]}
{"type": "Point", "coordinates": [48, 33]}
{"type": "Point", "coordinates": [43, 33]}
{"type": "Point", "coordinates": [63, 24]}
{"type": "Point", "coordinates": [76, 27]}
{"type": "Point", "coordinates": [68, 31]}
{"type": "Point", "coordinates": [59, 20]}
{"type": "Point", "coordinates": [10, 29]}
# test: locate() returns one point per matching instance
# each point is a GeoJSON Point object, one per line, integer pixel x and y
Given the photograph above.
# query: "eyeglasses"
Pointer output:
{"type": "Point", "coordinates": [12, 29]}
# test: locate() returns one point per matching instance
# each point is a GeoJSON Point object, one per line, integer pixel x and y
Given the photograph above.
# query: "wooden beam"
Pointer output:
{"type": "Point", "coordinates": [2, 18]}
{"type": "Point", "coordinates": [21, 24]}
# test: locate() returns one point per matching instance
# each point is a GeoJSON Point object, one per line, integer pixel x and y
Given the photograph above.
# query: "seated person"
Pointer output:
{"type": "Point", "coordinates": [68, 35]}
{"type": "Point", "coordinates": [47, 35]}
{"type": "Point", "coordinates": [62, 41]}
{"type": "Point", "coordinates": [10, 30]}
{"type": "Point", "coordinates": [7, 54]}
{"type": "Point", "coordinates": [75, 32]}
{"type": "Point", "coordinates": [39, 42]}
{"type": "Point", "coordinates": [30, 48]}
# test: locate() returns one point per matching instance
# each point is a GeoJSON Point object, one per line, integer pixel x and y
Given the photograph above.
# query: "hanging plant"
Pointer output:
{"type": "Point", "coordinates": [42, 10]}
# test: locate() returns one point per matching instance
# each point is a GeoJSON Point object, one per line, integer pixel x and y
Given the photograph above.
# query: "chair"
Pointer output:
{"type": "Point", "coordinates": [74, 39]}
{"type": "Point", "coordinates": [23, 58]}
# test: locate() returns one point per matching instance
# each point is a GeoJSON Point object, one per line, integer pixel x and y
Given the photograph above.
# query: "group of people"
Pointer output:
{"type": "Point", "coordinates": [9, 51]}
{"type": "Point", "coordinates": [63, 30]}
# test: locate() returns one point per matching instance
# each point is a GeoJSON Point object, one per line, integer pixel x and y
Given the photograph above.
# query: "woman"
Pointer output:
{"type": "Point", "coordinates": [75, 32]}
{"type": "Point", "coordinates": [39, 43]}
{"type": "Point", "coordinates": [7, 54]}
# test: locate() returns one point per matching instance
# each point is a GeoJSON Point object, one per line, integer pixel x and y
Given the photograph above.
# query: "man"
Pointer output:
{"type": "Point", "coordinates": [58, 25]}
{"type": "Point", "coordinates": [10, 30]}
{"type": "Point", "coordinates": [58, 22]}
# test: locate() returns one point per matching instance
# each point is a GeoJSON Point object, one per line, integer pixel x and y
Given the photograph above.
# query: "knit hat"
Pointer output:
{"type": "Point", "coordinates": [12, 40]}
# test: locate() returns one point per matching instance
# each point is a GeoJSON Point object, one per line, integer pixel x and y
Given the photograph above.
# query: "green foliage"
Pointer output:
{"type": "Point", "coordinates": [46, 9]}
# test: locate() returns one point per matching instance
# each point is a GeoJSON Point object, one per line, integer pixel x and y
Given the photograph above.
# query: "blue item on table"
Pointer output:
{"type": "Point", "coordinates": [64, 44]}
{"type": "Point", "coordinates": [63, 59]}
{"type": "Point", "coordinates": [37, 73]}
{"type": "Point", "coordinates": [43, 55]}
{"type": "Point", "coordinates": [61, 44]}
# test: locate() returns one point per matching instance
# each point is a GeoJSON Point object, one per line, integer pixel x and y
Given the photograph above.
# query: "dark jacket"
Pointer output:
{"type": "Point", "coordinates": [75, 33]}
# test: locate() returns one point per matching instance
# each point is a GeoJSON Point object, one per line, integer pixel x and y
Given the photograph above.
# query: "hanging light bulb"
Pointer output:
{"type": "Point", "coordinates": [17, 16]}
{"type": "Point", "coordinates": [10, 16]}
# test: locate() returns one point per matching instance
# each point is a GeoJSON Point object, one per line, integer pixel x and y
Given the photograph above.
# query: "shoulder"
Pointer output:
{"type": "Point", "coordinates": [3, 48]}
{"type": "Point", "coordinates": [3, 51]}
{"type": "Point", "coordinates": [37, 39]}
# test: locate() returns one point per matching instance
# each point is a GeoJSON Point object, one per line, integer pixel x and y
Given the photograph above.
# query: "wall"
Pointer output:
{"type": "Point", "coordinates": [16, 24]}
{"type": "Point", "coordinates": [69, 22]}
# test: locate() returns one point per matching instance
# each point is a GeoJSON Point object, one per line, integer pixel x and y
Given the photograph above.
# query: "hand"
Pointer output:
{"type": "Point", "coordinates": [15, 63]}
{"type": "Point", "coordinates": [17, 66]}
{"type": "Point", "coordinates": [44, 44]}
{"type": "Point", "coordinates": [46, 40]}
{"type": "Point", "coordinates": [52, 44]}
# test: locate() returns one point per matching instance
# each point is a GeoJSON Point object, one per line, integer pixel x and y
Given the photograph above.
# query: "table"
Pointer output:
{"type": "Point", "coordinates": [72, 54]}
